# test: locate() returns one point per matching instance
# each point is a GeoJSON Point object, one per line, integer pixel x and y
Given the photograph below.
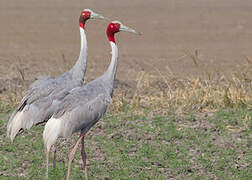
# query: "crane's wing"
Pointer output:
{"type": "Point", "coordinates": [79, 95]}
{"type": "Point", "coordinates": [82, 116]}
{"type": "Point", "coordinates": [86, 115]}
{"type": "Point", "coordinates": [44, 87]}
{"type": "Point", "coordinates": [37, 105]}
{"type": "Point", "coordinates": [40, 88]}
{"type": "Point", "coordinates": [17, 118]}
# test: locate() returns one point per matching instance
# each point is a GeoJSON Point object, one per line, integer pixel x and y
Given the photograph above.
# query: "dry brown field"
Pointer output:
{"type": "Point", "coordinates": [42, 37]}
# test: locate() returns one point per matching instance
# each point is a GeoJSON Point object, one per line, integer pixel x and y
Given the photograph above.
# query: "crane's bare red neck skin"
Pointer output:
{"type": "Point", "coordinates": [85, 15]}
{"type": "Point", "coordinates": [111, 30]}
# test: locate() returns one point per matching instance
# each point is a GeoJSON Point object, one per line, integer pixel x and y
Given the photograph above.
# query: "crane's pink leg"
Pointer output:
{"type": "Point", "coordinates": [47, 163]}
{"type": "Point", "coordinates": [53, 149]}
{"type": "Point", "coordinates": [84, 158]}
{"type": "Point", "coordinates": [71, 155]}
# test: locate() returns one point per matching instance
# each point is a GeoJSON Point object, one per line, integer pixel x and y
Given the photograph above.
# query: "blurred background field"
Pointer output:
{"type": "Point", "coordinates": [182, 106]}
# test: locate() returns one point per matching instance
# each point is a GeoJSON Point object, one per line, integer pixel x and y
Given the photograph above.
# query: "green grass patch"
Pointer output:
{"type": "Point", "coordinates": [132, 146]}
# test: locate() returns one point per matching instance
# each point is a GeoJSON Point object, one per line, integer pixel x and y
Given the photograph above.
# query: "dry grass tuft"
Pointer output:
{"type": "Point", "coordinates": [167, 92]}
{"type": "Point", "coordinates": [12, 90]}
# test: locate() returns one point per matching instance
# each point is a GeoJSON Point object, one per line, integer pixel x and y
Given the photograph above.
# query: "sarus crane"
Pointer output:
{"type": "Point", "coordinates": [44, 95]}
{"type": "Point", "coordinates": [84, 106]}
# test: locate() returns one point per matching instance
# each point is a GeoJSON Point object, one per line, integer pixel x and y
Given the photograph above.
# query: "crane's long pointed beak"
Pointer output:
{"type": "Point", "coordinates": [98, 16]}
{"type": "Point", "coordinates": [128, 29]}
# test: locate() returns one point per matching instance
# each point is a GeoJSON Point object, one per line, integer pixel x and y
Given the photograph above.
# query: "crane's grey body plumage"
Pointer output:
{"type": "Point", "coordinates": [44, 95]}
{"type": "Point", "coordinates": [83, 106]}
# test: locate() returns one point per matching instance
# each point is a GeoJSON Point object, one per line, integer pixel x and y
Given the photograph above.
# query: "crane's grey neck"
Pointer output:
{"type": "Point", "coordinates": [79, 69]}
{"type": "Point", "coordinates": [109, 75]}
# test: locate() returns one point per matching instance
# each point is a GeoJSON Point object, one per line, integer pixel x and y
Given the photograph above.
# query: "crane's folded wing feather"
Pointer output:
{"type": "Point", "coordinates": [79, 95]}
{"type": "Point", "coordinates": [39, 102]}
{"type": "Point", "coordinates": [84, 115]}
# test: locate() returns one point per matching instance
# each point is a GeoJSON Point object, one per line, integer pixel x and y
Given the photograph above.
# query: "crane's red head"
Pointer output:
{"type": "Point", "coordinates": [88, 14]}
{"type": "Point", "coordinates": [111, 30]}
{"type": "Point", "coordinates": [116, 26]}
{"type": "Point", "coordinates": [85, 15]}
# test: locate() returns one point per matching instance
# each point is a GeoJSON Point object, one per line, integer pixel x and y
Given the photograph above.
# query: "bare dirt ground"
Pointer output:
{"type": "Point", "coordinates": [42, 37]}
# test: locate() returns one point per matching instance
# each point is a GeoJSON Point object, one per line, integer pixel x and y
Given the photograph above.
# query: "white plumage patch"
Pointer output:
{"type": "Point", "coordinates": [21, 120]}
{"type": "Point", "coordinates": [51, 132]}
{"type": "Point", "coordinates": [15, 125]}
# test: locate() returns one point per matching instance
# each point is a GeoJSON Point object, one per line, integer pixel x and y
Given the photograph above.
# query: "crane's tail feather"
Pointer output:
{"type": "Point", "coordinates": [14, 125]}
{"type": "Point", "coordinates": [19, 120]}
{"type": "Point", "coordinates": [51, 132]}
{"type": "Point", "coordinates": [10, 122]}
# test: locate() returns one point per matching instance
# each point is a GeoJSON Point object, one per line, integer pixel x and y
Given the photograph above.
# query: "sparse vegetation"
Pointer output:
{"type": "Point", "coordinates": [205, 93]}
{"type": "Point", "coordinates": [131, 146]}
{"type": "Point", "coordinates": [196, 128]}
